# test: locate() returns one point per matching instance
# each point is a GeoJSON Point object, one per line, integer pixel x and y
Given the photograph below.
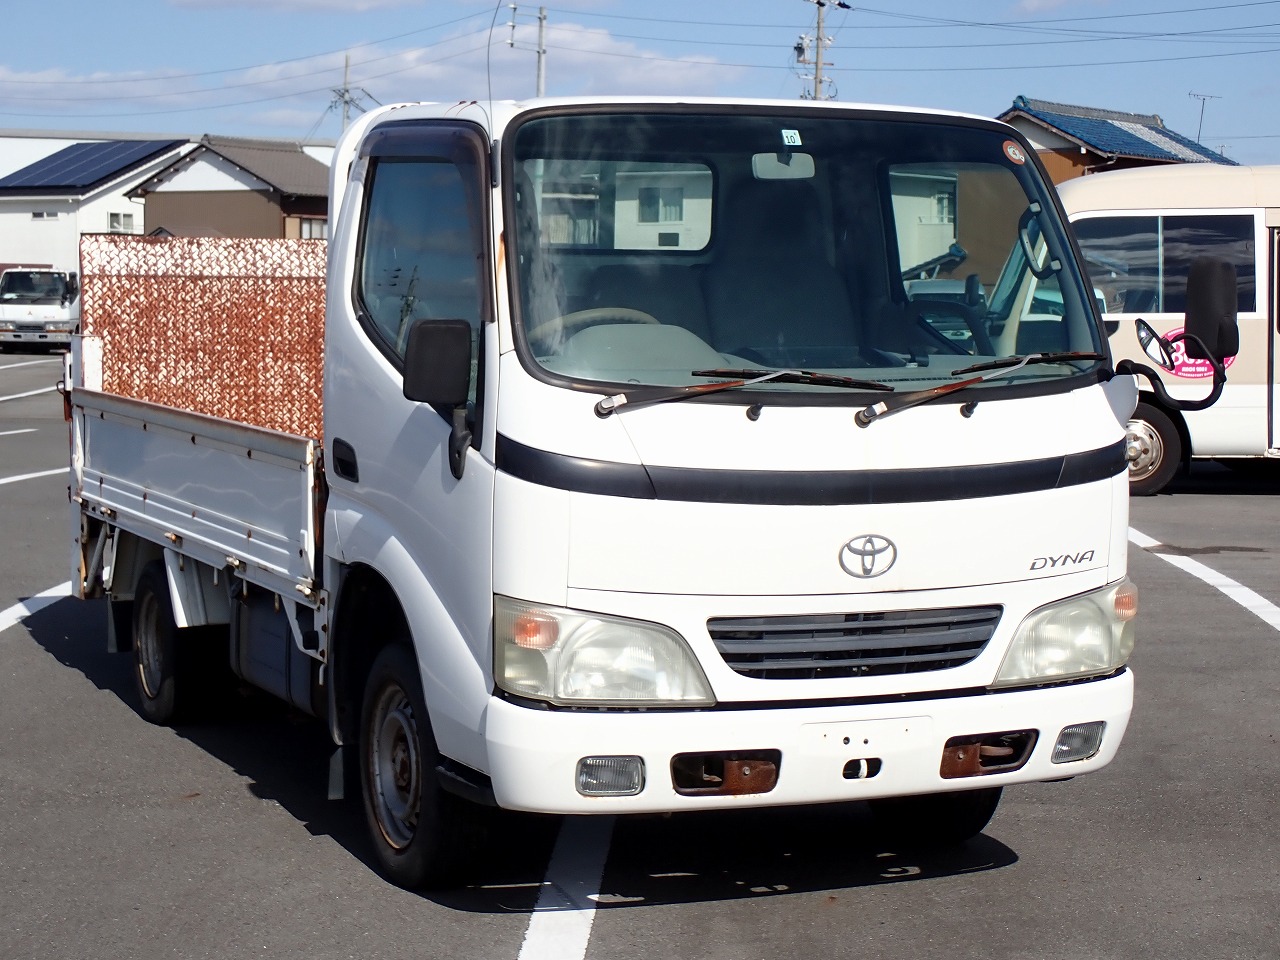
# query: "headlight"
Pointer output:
{"type": "Point", "coordinates": [58, 326]}
{"type": "Point", "coordinates": [1085, 636]}
{"type": "Point", "coordinates": [7, 326]}
{"type": "Point", "coordinates": [575, 658]}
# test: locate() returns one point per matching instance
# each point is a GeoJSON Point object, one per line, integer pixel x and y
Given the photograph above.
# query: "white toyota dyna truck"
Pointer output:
{"type": "Point", "coordinates": [671, 455]}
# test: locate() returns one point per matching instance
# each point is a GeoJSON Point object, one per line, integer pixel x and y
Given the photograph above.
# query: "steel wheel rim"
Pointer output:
{"type": "Point", "coordinates": [146, 642]}
{"type": "Point", "coordinates": [395, 767]}
{"type": "Point", "coordinates": [1144, 448]}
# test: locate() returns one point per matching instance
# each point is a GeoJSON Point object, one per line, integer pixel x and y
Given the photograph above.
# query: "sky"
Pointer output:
{"type": "Point", "coordinates": [275, 68]}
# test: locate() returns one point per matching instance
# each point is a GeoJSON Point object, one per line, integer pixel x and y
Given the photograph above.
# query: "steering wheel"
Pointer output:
{"type": "Point", "coordinates": [580, 318]}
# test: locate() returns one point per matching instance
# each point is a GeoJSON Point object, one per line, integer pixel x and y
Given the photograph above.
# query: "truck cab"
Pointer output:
{"type": "Point", "coordinates": [38, 306]}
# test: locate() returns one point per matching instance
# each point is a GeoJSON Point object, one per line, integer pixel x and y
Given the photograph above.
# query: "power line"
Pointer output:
{"type": "Point", "coordinates": [169, 77]}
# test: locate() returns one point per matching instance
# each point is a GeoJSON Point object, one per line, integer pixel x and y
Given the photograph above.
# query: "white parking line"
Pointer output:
{"type": "Point", "coordinates": [29, 393]}
{"type": "Point", "coordinates": [1255, 603]}
{"type": "Point", "coordinates": [20, 611]}
{"type": "Point", "coordinates": [561, 923]}
{"type": "Point", "coordinates": [29, 363]}
{"type": "Point", "coordinates": [32, 476]}
{"type": "Point", "coordinates": [14, 433]}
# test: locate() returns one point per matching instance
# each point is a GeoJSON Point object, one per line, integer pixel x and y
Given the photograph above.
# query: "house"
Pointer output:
{"type": "Point", "coordinates": [64, 189]}
{"type": "Point", "coordinates": [237, 187]}
{"type": "Point", "coordinates": [1073, 141]}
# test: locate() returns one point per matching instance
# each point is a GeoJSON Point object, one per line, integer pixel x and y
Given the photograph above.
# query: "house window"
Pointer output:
{"type": "Point", "coordinates": [313, 228]}
{"type": "Point", "coordinates": [122, 223]}
{"type": "Point", "coordinates": [44, 214]}
{"type": "Point", "coordinates": [944, 204]}
{"type": "Point", "coordinates": [661, 204]}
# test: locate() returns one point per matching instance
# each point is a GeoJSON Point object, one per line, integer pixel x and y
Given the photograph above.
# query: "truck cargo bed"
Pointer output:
{"type": "Point", "coordinates": [225, 493]}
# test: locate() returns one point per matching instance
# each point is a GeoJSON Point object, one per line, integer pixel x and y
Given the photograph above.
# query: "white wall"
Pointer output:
{"type": "Point", "coordinates": [52, 241]}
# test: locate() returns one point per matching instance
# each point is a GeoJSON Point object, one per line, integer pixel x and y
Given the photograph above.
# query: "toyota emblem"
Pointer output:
{"type": "Point", "coordinates": [868, 555]}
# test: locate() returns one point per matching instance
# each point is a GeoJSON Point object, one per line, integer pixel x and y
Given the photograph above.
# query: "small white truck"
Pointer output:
{"type": "Point", "coordinates": [38, 306]}
{"type": "Point", "coordinates": [608, 465]}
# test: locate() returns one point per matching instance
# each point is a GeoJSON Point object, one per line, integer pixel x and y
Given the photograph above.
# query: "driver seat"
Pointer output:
{"type": "Point", "coordinates": [772, 295]}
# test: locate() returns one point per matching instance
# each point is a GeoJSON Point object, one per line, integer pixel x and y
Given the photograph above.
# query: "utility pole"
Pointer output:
{"type": "Point", "coordinates": [347, 98]}
{"type": "Point", "coordinates": [1202, 97]}
{"type": "Point", "coordinates": [541, 49]}
{"type": "Point", "coordinates": [820, 41]}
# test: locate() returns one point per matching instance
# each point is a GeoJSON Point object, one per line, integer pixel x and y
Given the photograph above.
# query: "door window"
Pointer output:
{"type": "Point", "coordinates": [422, 248]}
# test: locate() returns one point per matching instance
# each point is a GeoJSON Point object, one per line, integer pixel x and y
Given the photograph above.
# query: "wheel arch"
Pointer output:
{"type": "Point", "coordinates": [367, 617]}
{"type": "Point", "coordinates": [1150, 399]}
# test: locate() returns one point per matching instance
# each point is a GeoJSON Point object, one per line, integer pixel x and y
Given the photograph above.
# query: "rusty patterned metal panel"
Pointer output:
{"type": "Point", "coordinates": [228, 327]}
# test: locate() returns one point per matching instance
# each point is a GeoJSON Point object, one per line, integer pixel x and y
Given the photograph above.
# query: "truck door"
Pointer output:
{"type": "Point", "coordinates": [420, 249]}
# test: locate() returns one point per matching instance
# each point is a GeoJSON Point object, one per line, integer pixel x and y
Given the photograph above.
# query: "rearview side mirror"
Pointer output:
{"type": "Point", "coordinates": [437, 370]}
{"type": "Point", "coordinates": [1212, 330]}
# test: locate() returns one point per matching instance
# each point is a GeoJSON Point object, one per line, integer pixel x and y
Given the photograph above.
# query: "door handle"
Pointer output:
{"type": "Point", "coordinates": [345, 463]}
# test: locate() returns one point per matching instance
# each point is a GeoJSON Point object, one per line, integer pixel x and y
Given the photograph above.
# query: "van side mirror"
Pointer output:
{"type": "Point", "coordinates": [437, 370]}
{"type": "Point", "coordinates": [1212, 330]}
{"type": "Point", "coordinates": [1211, 333]}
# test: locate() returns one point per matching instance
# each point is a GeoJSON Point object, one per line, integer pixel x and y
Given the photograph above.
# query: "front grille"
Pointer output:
{"type": "Point", "coordinates": [827, 646]}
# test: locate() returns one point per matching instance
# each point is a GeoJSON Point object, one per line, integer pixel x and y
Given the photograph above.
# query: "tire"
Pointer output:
{"type": "Point", "coordinates": [176, 672]}
{"type": "Point", "coordinates": [936, 820]}
{"type": "Point", "coordinates": [421, 835]}
{"type": "Point", "coordinates": [155, 648]}
{"type": "Point", "coordinates": [1154, 446]}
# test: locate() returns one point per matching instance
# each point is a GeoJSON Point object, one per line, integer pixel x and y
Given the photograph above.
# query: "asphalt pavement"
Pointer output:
{"type": "Point", "coordinates": [120, 839]}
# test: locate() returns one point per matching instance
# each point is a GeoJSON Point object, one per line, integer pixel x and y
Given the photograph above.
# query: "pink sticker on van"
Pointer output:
{"type": "Point", "coordinates": [1184, 366]}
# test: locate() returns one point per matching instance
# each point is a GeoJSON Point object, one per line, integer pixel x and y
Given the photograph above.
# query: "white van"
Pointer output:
{"type": "Point", "coordinates": [1140, 230]}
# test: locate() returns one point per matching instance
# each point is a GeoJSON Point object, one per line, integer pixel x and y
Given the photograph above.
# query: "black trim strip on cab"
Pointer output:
{"type": "Point", "coordinates": [806, 488]}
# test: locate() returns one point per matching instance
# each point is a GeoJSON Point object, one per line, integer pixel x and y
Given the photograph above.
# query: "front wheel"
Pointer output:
{"type": "Point", "coordinates": [937, 820]}
{"type": "Point", "coordinates": [420, 833]}
{"type": "Point", "coordinates": [1154, 450]}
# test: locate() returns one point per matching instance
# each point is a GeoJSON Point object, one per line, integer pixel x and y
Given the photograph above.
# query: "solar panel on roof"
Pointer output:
{"type": "Point", "coordinates": [84, 164]}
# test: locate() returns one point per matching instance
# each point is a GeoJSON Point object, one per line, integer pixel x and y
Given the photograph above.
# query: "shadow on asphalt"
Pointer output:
{"type": "Point", "coordinates": [1254, 477]}
{"type": "Point", "coordinates": [685, 858]}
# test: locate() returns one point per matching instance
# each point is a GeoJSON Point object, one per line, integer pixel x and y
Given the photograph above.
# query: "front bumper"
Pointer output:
{"type": "Point", "coordinates": [533, 754]}
{"type": "Point", "coordinates": [35, 336]}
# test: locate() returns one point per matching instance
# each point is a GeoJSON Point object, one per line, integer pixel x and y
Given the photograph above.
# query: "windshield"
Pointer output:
{"type": "Point", "coordinates": [32, 286]}
{"type": "Point", "coordinates": [649, 246]}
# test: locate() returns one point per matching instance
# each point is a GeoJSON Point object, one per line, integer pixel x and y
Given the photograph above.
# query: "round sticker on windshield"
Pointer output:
{"type": "Point", "coordinates": [1014, 152]}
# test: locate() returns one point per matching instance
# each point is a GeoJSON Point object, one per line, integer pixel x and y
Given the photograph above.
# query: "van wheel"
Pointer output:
{"type": "Point", "coordinates": [937, 819]}
{"type": "Point", "coordinates": [420, 833]}
{"type": "Point", "coordinates": [1154, 449]}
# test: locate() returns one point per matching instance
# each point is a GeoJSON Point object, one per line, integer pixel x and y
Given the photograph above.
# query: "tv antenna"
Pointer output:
{"type": "Point", "coordinates": [1202, 97]}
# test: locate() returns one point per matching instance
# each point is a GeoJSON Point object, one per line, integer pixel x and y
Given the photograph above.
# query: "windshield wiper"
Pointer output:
{"type": "Point", "coordinates": [797, 376]}
{"type": "Point", "coordinates": [1059, 357]}
{"type": "Point", "coordinates": [1005, 365]}
{"type": "Point", "coordinates": [743, 378]}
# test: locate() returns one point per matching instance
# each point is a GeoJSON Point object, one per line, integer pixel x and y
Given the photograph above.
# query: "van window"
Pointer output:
{"type": "Point", "coordinates": [1140, 263]}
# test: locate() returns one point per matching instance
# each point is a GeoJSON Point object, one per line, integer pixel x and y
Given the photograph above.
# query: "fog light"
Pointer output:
{"type": "Point", "coordinates": [610, 776]}
{"type": "Point", "coordinates": [1080, 741]}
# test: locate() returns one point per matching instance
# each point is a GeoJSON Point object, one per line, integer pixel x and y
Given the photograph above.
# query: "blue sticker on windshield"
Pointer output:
{"type": "Point", "coordinates": [791, 138]}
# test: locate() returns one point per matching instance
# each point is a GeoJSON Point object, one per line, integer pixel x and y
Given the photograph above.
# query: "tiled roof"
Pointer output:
{"type": "Point", "coordinates": [280, 163]}
{"type": "Point", "coordinates": [81, 167]}
{"type": "Point", "coordinates": [1114, 132]}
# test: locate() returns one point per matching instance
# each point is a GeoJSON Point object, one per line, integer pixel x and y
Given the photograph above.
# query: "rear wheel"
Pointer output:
{"type": "Point", "coordinates": [421, 834]}
{"type": "Point", "coordinates": [1154, 449]}
{"type": "Point", "coordinates": [177, 673]}
{"type": "Point", "coordinates": [937, 819]}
